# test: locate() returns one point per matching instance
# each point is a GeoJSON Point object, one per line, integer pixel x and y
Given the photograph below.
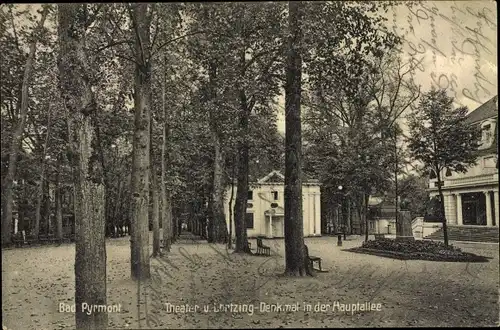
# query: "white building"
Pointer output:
{"type": "Point", "coordinates": [471, 199]}
{"type": "Point", "coordinates": [265, 207]}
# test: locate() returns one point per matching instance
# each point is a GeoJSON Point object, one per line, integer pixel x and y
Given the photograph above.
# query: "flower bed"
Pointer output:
{"type": "Point", "coordinates": [417, 250]}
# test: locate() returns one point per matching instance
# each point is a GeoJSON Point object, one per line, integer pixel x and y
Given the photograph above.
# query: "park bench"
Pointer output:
{"type": "Point", "coordinates": [261, 248]}
{"type": "Point", "coordinates": [313, 259]}
{"type": "Point", "coordinates": [48, 239]}
{"type": "Point", "coordinates": [20, 240]}
{"type": "Point", "coordinates": [379, 237]}
{"type": "Point", "coordinates": [404, 238]}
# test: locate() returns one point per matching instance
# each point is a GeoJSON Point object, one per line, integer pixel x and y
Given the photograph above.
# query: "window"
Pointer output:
{"type": "Point", "coordinates": [490, 162]}
{"type": "Point", "coordinates": [250, 195]}
{"type": "Point", "coordinates": [275, 195]}
{"type": "Point", "coordinates": [249, 220]}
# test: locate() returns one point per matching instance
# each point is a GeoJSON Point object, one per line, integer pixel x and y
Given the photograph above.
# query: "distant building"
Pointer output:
{"type": "Point", "coordinates": [265, 207]}
{"type": "Point", "coordinates": [471, 199]}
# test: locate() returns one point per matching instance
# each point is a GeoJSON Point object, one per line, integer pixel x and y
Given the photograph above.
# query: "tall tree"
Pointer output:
{"type": "Point", "coordinates": [208, 51]}
{"type": "Point", "coordinates": [141, 15]}
{"type": "Point", "coordinates": [412, 190]}
{"type": "Point", "coordinates": [76, 89]}
{"type": "Point", "coordinates": [442, 140]}
{"type": "Point", "coordinates": [59, 206]}
{"type": "Point", "coordinates": [394, 92]}
{"type": "Point", "coordinates": [296, 263]}
{"type": "Point", "coordinates": [7, 189]}
{"type": "Point", "coordinates": [155, 212]}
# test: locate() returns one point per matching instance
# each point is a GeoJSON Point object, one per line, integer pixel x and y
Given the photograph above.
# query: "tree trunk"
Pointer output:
{"type": "Point", "coordinates": [48, 224]}
{"type": "Point", "coordinates": [357, 217]}
{"type": "Point", "coordinates": [231, 198]}
{"type": "Point", "coordinates": [441, 206]}
{"type": "Point", "coordinates": [166, 213]}
{"type": "Point", "coordinates": [240, 208]}
{"type": "Point", "coordinates": [118, 212]}
{"type": "Point", "coordinates": [295, 258]}
{"type": "Point", "coordinates": [140, 155]}
{"type": "Point", "coordinates": [396, 199]}
{"type": "Point", "coordinates": [38, 207]}
{"type": "Point", "coordinates": [366, 198]}
{"type": "Point", "coordinates": [155, 214]}
{"type": "Point", "coordinates": [218, 227]}
{"type": "Point", "coordinates": [17, 136]}
{"type": "Point", "coordinates": [210, 222]}
{"type": "Point", "coordinates": [349, 216]}
{"type": "Point", "coordinates": [90, 255]}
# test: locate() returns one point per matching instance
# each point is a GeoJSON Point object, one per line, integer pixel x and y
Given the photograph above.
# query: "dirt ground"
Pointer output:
{"type": "Point", "coordinates": [197, 276]}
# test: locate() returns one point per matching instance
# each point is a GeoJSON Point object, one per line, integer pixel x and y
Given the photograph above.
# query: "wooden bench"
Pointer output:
{"type": "Point", "coordinates": [49, 239]}
{"type": "Point", "coordinates": [379, 237]}
{"type": "Point", "coordinates": [249, 244]}
{"type": "Point", "coordinates": [261, 248]}
{"type": "Point", "coordinates": [313, 259]}
{"type": "Point", "coordinates": [18, 242]}
{"type": "Point", "coordinates": [404, 238]}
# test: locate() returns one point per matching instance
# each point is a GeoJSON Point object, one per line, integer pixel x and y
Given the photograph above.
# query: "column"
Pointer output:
{"type": "Point", "coordinates": [452, 216]}
{"type": "Point", "coordinates": [489, 218]}
{"type": "Point", "coordinates": [310, 201]}
{"type": "Point", "coordinates": [317, 215]}
{"type": "Point", "coordinates": [495, 199]}
{"type": "Point", "coordinates": [460, 220]}
{"type": "Point", "coordinates": [270, 226]}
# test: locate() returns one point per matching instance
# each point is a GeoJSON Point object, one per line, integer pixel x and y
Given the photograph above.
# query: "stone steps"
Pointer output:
{"type": "Point", "coordinates": [471, 234]}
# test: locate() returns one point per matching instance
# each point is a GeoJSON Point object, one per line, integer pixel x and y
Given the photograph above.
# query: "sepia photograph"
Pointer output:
{"type": "Point", "coordinates": [249, 165]}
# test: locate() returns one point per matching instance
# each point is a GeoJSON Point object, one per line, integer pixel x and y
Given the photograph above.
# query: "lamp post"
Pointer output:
{"type": "Point", "coordinates": [344, 222]}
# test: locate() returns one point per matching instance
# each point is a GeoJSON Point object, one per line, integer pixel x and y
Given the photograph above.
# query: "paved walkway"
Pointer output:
{"type": "Point", "coordinates": [195, 273]}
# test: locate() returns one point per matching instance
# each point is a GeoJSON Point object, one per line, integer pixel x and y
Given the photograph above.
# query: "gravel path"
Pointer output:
{"type": "Point", "coordinates": [35, 281]}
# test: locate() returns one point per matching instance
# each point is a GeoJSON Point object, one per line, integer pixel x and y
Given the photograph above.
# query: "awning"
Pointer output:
{"type": "Point", "coordinates": [274, 213]}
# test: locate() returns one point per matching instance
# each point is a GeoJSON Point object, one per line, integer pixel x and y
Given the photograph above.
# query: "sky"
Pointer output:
{"type": "Point", "coordinates": [457, 43]}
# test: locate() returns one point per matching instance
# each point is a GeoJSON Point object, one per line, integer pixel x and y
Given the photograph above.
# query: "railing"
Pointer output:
{"type": "Point", "coordinates": [421, 229]}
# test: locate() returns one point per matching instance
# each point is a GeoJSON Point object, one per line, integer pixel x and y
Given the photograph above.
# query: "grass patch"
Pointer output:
{"type": "Point", "coordinates": [417, 250]}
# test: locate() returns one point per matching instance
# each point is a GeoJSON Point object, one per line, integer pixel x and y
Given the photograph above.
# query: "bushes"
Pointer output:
{"type": "Point", "coordinates": [410, 246]}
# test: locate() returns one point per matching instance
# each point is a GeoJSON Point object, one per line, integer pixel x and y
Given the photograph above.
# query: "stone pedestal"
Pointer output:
{"type": "Point", "coordinates": [403, 227]}
{"type": "Point", "coordinates": [460, 221]}
{"type": "Point", "coordinates": [496, 206]}
{"type": "Point", "coordinates": [489, 215]}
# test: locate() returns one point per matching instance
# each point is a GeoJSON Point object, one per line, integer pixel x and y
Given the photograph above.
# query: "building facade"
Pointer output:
{"type": "Point", "coordinates": [265, 207]}
{"type": "Point", "coordinates": [471, 199]}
